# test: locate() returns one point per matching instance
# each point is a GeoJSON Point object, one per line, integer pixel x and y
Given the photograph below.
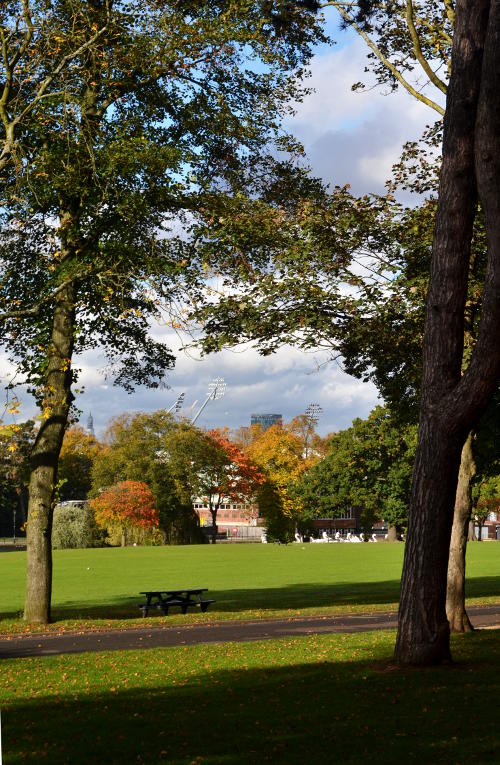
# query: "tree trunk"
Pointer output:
{"type": "Point", "coordinates": [44, 459]}
{"type": "Point", "coordinates": [470, 532]}
{"type": "Point", "coordinates": [448, 407]}
{"type": "Point", "coordinates": [451, 403]}
{"type": "Point", "coordinates": [392, 534]}
{"type": "Point", "coordinates": [455, 591]}
{"type": "Point", "coordinates": [215, 529]}
{"type": "Point", "coordinates": [124, 537]}
{"type": "Point", "coordinates": [423, 630]}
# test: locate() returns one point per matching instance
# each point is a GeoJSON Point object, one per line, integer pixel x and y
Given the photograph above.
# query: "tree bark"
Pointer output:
{"type": "Point", "coordinates": [45, 455]}
{"type": "Point", "coordinates": [455, 591]}
{"type": "Point", "coordinates": [215, 528]}
{"type": "Point", "coordinates": [470, 532]}
{"type": "Point", "coordinates": [423, 629]}
{"type": "Point", "coordinates": [392, 534]}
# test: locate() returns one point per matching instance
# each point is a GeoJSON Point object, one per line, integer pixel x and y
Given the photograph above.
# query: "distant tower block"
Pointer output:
{"type": "Point", "coordinates": [266, 420]}
{"type": "Point", "coordinates": [90, 425]}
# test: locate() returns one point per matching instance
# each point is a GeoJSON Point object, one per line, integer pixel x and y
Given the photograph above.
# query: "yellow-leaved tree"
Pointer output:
{"type": "Point", "coordinates": [279, 454]}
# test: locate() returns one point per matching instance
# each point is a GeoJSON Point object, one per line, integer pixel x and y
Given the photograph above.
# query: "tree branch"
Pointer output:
{"type": "Point", "coordinates": [383, 59]}
{"type": "Point", "coordinates": [418, 50]}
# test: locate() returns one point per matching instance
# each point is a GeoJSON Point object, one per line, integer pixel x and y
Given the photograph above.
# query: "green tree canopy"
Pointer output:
{"type": "Point", "coordinates": [137, 449]}
{"type": "Point", "coordinates": [368, 465]}
{"type": "Point", "coordinates": [168, 102]}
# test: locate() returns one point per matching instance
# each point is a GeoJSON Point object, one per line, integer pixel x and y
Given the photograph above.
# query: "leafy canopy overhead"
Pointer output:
{"type": "Point", "coordinates": [157, 104]}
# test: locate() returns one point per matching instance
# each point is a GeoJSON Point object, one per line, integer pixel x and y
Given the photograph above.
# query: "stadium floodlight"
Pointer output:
{"type": "Point", "coordinates": [313, 413]}
{"type": "Point", "coordinates": [177, 405]}
{"type": "Point", "coordinates": [216, 390]}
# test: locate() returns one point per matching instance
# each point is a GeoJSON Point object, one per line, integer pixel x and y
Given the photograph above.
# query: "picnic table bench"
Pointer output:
{"type": "Point", "coordinates": [164, 599]}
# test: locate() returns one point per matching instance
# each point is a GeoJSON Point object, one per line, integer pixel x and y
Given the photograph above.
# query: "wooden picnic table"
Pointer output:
{"type": "Point", "coordinates": [164, 599]}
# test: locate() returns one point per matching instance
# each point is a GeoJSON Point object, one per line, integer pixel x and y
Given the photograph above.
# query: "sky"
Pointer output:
{"type": "Point", "coordinates": [350, 138]}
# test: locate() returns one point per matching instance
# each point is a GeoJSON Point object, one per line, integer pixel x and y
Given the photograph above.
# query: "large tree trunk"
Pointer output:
{"type": "Point", "coordinates": [451, 404]}
{"type": "Point", "coordinates": [423, 630]}
{"type": "Point", "coordinates": [455, 591]}
{"type": "Point", "coordinates": [45, 456]}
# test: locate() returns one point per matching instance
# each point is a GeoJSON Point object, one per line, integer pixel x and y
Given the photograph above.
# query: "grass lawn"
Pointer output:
{"type": "Point", "coordinates": [320, 699]}
{"type": "Point", "coordinates": [101, 587]}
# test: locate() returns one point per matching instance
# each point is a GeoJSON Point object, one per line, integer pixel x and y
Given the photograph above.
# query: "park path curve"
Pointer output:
{"type": "Point", "coordinates": [50, 644]}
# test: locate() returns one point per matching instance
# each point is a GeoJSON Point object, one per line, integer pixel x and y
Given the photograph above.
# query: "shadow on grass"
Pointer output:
{"type": "Point", "coordinates": [329, 712]}
{"type": "Point", "coordinates": [264, 599]}
{"type": "Point", "coordinates": [295, 597]}
{"type": "Point", "coordinates": [309, 595]}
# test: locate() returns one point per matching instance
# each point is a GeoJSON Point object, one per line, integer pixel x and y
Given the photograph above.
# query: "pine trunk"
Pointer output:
{"type": "Point", "coordinates": [423, 630]}
{"type": "Point", "coordinates": [455, 591]}
{"type": "Point", "coordinates": [44, 460]}
{"type": "Point", "coordinates": [450, 403]}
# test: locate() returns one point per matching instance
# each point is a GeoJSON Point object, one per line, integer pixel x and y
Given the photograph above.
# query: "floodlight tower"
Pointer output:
{"type": "Point", "coordinates": [313, 413]}
{"type": "Point", "coordinates": [216, 390]}
{"type": "Point", "coordinates": [177, 405]}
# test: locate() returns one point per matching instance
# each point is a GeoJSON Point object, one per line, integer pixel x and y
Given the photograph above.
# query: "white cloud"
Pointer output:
{"type": "Point", "coordinates": [355, 137]}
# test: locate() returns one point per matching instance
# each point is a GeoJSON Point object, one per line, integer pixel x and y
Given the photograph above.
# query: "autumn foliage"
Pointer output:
{"type": "Point", "coordinates": [234, 476]}
{"type": "Point", "coordinates": [279, 454]}
{"type": "Point", "coordinates": [129, 504]}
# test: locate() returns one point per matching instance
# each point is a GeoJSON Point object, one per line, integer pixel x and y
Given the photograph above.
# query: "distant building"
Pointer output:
{"type": "Point", "coordinates": [266, 420]}
{"type": "Point", "coordinates": [90, 425]}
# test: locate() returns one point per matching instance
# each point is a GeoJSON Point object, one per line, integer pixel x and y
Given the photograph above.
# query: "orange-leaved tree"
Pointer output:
{"type": "Point", "coordinates": [225, 473]}
{"type": "Point", "coordinates": [126, 505]}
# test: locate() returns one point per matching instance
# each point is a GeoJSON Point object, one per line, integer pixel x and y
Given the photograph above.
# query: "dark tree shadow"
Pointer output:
{"type": "Point", "coordinates": [296, 597]}
{"type": "Point", "coordinates": [330, 712]}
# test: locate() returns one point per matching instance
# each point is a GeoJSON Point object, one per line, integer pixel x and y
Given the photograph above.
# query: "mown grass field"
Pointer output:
{"type": "Point", "coordinates": [324, 699]}
{"type": "Point", "coordinates": [101, 587]}
{"type": "Point", "coordinates": [320, 699]}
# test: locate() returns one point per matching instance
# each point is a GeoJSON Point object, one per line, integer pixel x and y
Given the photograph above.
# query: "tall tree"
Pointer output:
{"type": "Point", "coordinates": [78, 452]}
{"type": "Point", "coordinates": [368, 465]}
{"type": "Point", "coordinates": [136, 448]}
{"type": "Point", "coordinates": [407, 40]}
{"type": "Point", "coordinates": [279, 454]}
{"type": "Point", "coordinates": [210, 467]}
{"type": "Point", "coordinates": [452, 402]}
{"type": "Point", "coordinates": [153, 112]}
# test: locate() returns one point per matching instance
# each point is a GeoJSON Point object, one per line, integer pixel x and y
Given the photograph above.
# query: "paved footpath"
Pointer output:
{"type": "Point", "coordinates": [49, 644]}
